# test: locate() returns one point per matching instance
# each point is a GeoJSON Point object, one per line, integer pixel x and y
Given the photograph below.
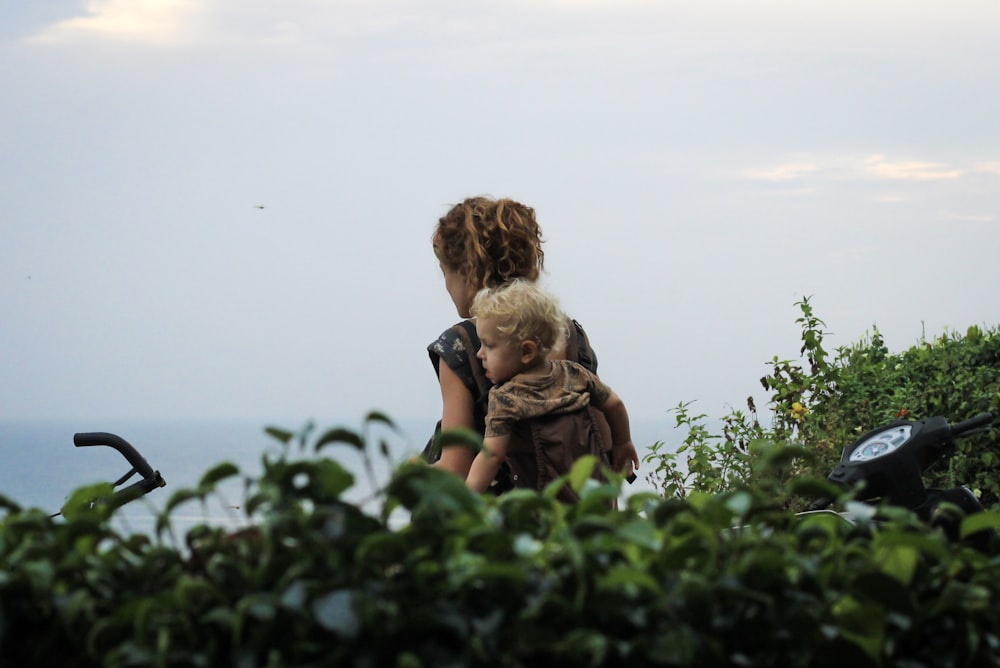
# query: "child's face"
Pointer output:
{"type": "Point", "coordinates": [501, 356]}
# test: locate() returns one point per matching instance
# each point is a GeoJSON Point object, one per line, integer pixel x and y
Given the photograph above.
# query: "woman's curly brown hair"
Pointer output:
{"type": "Point", "coordinates": [490, 241]}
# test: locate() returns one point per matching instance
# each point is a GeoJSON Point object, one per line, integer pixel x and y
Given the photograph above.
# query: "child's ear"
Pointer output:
{"type": "Point", "coordinates": [529, 352]}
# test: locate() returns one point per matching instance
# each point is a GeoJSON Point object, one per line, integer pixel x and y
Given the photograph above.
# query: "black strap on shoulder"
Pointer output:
{"type": "Point", "coordinates": [470, 330]}
{"type": "Point", "coordinates": [578, 348]}
{"type": "Point", "coordinates": [481, 391]}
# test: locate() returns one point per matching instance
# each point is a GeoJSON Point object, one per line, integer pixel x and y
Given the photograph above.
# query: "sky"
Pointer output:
{"type": "Point", "coordinates": [223, 208]}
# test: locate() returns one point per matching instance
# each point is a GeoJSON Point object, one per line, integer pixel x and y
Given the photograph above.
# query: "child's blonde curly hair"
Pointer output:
{"type": "Point", "coordinates": [522, 311]}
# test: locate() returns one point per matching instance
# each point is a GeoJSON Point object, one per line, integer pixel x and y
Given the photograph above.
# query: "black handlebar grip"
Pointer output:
{"type": "Point", "coordinates": [137, 461]}
{"type": "Point", "coordinates": [981, 420]}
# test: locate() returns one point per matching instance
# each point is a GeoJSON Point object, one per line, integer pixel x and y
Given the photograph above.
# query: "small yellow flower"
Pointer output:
{"type": "Point", "coordinates": [799, 411]}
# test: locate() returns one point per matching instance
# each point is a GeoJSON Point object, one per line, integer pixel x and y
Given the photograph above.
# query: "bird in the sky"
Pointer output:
{"type": "Point", "coordinates": [258, 206]}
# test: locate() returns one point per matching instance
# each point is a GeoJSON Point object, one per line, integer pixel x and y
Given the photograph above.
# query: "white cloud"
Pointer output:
{"type": "Point", "coordinates": [785, 172]}
{"type": "Point", "coordinates": [639, 33]}
{"type": "Point", "coordinates": [878, 165]}
{"type": "Point", "coordinates": [186, 22]}
{"type": "Point", "coordinates": [147, 21]}
{"type": "Point", "coordinates": [988, 167]}
{"type": "Point", "coordinates": [969, 217]}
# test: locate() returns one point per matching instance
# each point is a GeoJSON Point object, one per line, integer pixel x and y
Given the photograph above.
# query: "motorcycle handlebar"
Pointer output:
{"type": "Point", "coordinates": [137, 461]}
{"type": "Point", "coordinates": [981, 420]}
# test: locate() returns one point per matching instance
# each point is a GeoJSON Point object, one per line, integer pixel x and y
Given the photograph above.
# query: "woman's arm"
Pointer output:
{"type": "Point", "coordinates": [457, 404]}
{"type": "Point", "coordinates": [487, 463]}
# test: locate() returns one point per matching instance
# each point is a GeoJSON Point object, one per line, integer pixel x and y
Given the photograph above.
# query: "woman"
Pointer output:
{"type": "Point", "coordinates": [484, 243]}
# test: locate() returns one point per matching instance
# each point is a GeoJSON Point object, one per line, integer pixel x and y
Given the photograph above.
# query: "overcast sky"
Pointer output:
{"type": "Point", "coordinates": [697, 167]}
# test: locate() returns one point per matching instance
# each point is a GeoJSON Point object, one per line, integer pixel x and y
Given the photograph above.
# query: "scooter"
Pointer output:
{"type": "Point", "coordinates": [888, 464]}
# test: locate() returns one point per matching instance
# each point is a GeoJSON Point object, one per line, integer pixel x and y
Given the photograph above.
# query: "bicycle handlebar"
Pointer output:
{"type": "Point", "coordinates": [150, 479]}
{"type": "Point", "coordinates": [137, 461]}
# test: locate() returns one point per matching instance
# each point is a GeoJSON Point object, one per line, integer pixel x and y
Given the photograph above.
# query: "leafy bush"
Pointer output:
{"type": "Point", "coordinates": [953, 375]}
{"type": "Point", "coordinates": [827, 404]}
{"type": "Point", "coordinates": [521, 580]}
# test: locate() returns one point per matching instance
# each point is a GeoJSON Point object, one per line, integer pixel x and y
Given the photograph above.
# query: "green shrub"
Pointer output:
{"type": "Point", "coordinates": [731, 578]}
{"type": "Point", "coordinates": [827, 404]}
{"type": "Point", "coordinates": [953, 375]}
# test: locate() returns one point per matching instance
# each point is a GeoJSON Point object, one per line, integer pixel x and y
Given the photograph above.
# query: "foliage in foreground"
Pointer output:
{"type": "Point", "coordinates": [520, 580]}
{"type": "Point", "coordinates": [825, 402]}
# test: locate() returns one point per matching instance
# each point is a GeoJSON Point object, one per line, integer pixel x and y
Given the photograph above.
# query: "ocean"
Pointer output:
{"type": "Point", "coordinates": [40, 466]}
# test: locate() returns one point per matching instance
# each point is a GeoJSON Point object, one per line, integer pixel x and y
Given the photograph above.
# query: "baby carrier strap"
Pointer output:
{"type": "Point", "coordinates": [472, 373]}
{"type": "Point", "coordinates": [457, 348]}
{"type": "Point", "coordinates": [578, 347]}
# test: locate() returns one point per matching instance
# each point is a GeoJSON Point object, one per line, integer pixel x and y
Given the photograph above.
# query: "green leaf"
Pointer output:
{"type": "Point", "coordinates": [458, 436]}
{"type": "Point", "coordinates": [382, 418]}
{"type": "Point", "coordinates": [981, 521]}
{"type": "Point", "coordinates": [332, 478]}
{"type": "Point", "coordinates": [597, 498]}
{"type": "Point", "coordinates": [582, 471]}
{"type": "Point", "coordinates": [862, 623]}
{"type": "Point", "coordinates": [217, 474]}
{"type": "Point", "coordinates": [429, 492]}
{"type": "Point", "coordinates": [739, 503]}
{"type": "Point", "coordinates": [640, 532]}
{"type": "Point", "coordinates": [335, 612]}
{"type": "Point", "coordinates": [771, 456]}
{"type": "Point", "coordinates": [123, 496]}
{"type": "Point", "coordinates": [295, 595]}
{"type": "Point", "coordinates": [340, 435]}
{"type": "Point", "coordinates": [281, 435]}
{"type": "Point", "coordinates": [322, 480]}
{"type": "Point", "coordinates": [898, 553]}
{"type": "Point", "coordinates": [814, 488]}
{"type": "Point", "coordinates": [699, 500]}
{"type": "Point", "coordinates": [261, 607]}
{"type": "Point", "coordinates": [257, 501]}
{"type": "Point", "coordinates": [221, 615]}
{"type": "Point", "coordinates": [8, 504]}
{"type": "Point", "coordinates": [820, 523]}
{"type": "Point", "coordinates": [181, 496]}
{"type": "Point", "coordinates": [84, 501]}
{"type": "Point", "coordinates": [630, 580]}
{"type": "Point", "coordinates": [40, 573]}
{"type": "Point", "coordinates": [192, 591]}
{"type": "Point", "coordinates": [527, 546]}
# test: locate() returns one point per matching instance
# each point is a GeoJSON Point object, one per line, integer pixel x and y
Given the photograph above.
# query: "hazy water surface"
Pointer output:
{"type": "Point", "coordinates": [40, 466]}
